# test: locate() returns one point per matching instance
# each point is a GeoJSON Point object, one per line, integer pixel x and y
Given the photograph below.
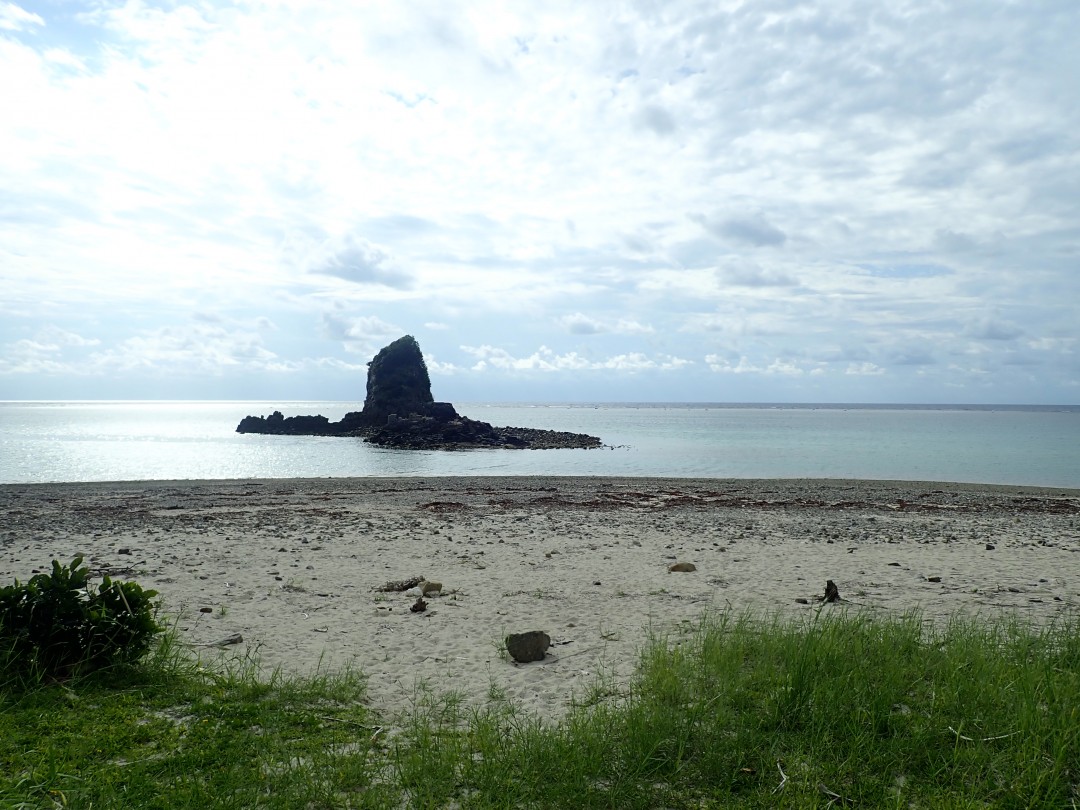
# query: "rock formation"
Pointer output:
{"type": "Point", "coordinates": [400, 412]}
{"type": "Point", "coordinates": [530, 646]}
{"type": "Point", "coordinates": [397, 383]}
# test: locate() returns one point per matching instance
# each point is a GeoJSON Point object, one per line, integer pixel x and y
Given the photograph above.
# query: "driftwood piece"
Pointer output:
{"type": "Point", "coordinates": [400, 585]}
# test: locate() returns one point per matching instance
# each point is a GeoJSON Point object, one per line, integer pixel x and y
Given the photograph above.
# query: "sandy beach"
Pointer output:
{"type": "Point", "coordinates": [295, 566]}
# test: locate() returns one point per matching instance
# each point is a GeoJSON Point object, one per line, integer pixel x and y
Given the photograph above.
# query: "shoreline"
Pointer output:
{"type": "Point", "coordinates": [293, 565]}
{"type": "Point", "coordinates": [824, 483]}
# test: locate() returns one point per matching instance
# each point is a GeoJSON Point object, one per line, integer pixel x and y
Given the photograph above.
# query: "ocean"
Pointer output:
{"type": "Point", "coordinates": [128, 441]}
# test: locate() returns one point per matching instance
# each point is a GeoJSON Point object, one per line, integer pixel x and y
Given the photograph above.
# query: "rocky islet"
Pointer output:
{"type": "Point", "coordinates": [400, 412]}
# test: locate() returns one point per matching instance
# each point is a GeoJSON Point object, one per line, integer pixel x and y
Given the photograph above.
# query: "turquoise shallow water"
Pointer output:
{"type": "Point", "coordinates": [113, 441]}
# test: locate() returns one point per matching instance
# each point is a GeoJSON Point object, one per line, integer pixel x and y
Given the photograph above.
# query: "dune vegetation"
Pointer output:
{"type": "Point", "coordinates": [739, 711]}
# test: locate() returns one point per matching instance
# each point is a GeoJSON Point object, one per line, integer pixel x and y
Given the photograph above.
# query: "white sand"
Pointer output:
{"type": "Point", "coordinates": [293, 565]}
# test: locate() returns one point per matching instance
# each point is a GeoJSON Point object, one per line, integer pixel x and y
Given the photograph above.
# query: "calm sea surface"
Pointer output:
{"type": "Point", "coordinates": [120, 441]}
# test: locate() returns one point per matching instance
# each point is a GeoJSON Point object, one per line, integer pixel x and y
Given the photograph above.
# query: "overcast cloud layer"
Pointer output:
{"type": "Point", "coordinates": [837, 201]}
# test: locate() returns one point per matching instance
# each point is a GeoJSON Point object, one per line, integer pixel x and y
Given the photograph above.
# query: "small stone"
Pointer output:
{"type": "Point", "coordinates": [123, 551]}
{"type": "Point", "coordinates": [206, 610]}
{"type": "Point", "coordinates": [526, 647]}
{"type": "Point", "coordinates": [832, 593]}
{"type": "Point", "coordinates": [682, 568]}
{"type": "Point", "coordinates": [933, 579]}
{"type": "Point", "coordinates": [419, 606]}
{"type": "Point", "coordinates": [429, 588]}
{"type": "Point", "coordinates": [989, 546]}
{"type": "Point", "coordinates": [895, 565]}
{"type": "Point", "coordinates": [801, 601]}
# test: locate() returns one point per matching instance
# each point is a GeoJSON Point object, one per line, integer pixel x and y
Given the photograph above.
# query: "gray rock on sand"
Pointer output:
{"type": "Point", "coordinates": [682, 568]}
{"type": "Point", "coordinates": [526, 647]}
{"type": "Point", "coordinates": [430, 588]}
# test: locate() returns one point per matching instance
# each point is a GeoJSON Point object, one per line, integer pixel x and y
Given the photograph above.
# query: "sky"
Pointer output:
{"type": "Point", "coordinates": [723, 201]}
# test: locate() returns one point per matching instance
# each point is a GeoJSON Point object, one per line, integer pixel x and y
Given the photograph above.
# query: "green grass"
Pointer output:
{"type": "Point", "coordinates": [736, 712]}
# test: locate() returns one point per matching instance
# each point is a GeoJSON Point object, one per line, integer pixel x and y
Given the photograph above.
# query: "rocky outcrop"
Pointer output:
{"type": "Point", "coordinates": [400, 412]}
{"type": "Point", "coordinates": [287, 426]}
{"type": "Point", "coordinates": [397, 383]}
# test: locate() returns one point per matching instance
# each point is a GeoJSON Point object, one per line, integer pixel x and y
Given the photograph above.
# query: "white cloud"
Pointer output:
{"type": "Point", "coordinates": [778, 366]}
{"type": "Point", "coordinates": [544, 359]}
{"type": "Point", "coordinates": [993, 329]}
{"type": "Point", "coordinates": [16, 18]}
{"type": "Point", "coordinates": [624, 188]}
{"type": "Point", "coordinates": [355, 259]}
{"type": "Point", "coordinates": [864, 369]}
{"type": "Point", "coordinates": [748, 230]}
{"type": "Point", "coordinates": [579, 324]}
{"type": "Point", "coordinates": [359, 335]}
{"type": "Point", "coordinates": [746, 273]}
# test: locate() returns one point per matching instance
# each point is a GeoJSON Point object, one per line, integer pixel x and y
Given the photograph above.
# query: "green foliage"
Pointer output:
{"type": "Point", "coordinates": [834, 710]}
{"type": "Point", "coordinates": [58, 623]}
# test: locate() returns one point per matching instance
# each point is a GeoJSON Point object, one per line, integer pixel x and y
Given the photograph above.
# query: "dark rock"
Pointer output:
{"type": "Point", "coordinates": [278, 425]}
{"type": "Point", "coordinates": [400, 412]}
{"type": "Point", "coordinates": [832, 593]}
{"type": "Point", "coordinates": [419, 606]}
{"type": "Point", "coordinates": [682, 568]}
{"type": "Point", "coordinates": [526, 647]}
{"type": "Point", "coordinates": [397, 383]}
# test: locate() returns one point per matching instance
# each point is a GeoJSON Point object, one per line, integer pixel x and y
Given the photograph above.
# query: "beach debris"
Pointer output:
{"type": "Point", "coordinates": [800, 600]}
{"type": "Point", "coordinates": [419, 606]}
{"type": "Point", "coordinates": [833, 797]}
{"type": "Point", "coordinates": [236, 638]}
{"type": "Point", "coordinates": [397, 586]}
{"type": "Point", "coordinates": [682, 568]}
{"type": "Point", "coordinates": [933, 579]}
{"type": "Point", "coordinates": [783, 778]}
{"type": "Point", "coordinates": [960, 736]}
{"type": "Point", "coordinates": [428, 588]}
{"type": "Point", "coordinates": [832, 593]}
{"type": "Point", "coordinates": [990, 546]}
{"type": "Point", "coordinates": [526, 647]}
{"type": "Point", "coordinates": [206, 610]}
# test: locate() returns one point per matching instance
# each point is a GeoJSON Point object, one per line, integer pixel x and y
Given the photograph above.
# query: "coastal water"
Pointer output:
{"type": "Point", "coordinates": [119, 441]}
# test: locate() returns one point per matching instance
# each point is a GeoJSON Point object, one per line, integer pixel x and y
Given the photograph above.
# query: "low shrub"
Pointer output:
{"type": "Point", "coordinates": [58, 624]}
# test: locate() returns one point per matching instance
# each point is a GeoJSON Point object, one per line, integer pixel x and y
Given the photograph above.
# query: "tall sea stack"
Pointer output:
{"type": "Point", "coordinates": [397, 383]}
